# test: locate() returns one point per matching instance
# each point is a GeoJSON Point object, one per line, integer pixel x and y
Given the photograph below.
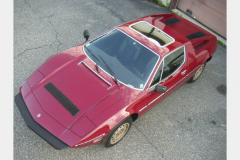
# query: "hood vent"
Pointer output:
{"type": "Point", "coordinates": [171, 21]}
{"type": "Point", "coordinates": [62, 99]}
{"type": "Point", "coordinates": [198, 34]}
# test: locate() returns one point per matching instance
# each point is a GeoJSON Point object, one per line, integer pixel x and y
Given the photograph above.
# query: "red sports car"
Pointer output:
{"type": "Point", "coordinates": [94, 91]}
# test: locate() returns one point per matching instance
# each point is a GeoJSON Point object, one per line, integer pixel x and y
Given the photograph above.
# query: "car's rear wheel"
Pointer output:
{"type": "Point", "coordinates": [118, 132]}
{"type": "Point", "coordinates": [198, 73]}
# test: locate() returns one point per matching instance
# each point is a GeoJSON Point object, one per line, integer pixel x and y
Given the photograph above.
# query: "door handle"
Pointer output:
{"type": "Point", "coordinates": [183, 72]}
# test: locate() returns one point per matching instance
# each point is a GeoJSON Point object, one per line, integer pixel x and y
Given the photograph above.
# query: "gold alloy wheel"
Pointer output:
{"type": "Point", "coordinates": [198, 73]}
{"type": "Point", "coordinates": [119, 133]}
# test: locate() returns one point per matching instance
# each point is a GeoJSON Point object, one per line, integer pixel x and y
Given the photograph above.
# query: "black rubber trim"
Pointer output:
{"type": "Point", "coordinates": [32, 124]}
{"type": "Point", "coordinates": [62, 99]}
{"type": "Point", "coordinates": [198, 34]}
{"type": "Point", "coordinates": [171, 21]}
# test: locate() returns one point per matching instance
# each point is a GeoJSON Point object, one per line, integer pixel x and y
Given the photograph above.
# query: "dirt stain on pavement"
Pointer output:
{"type": "Point", "coordinates": [222, 89]}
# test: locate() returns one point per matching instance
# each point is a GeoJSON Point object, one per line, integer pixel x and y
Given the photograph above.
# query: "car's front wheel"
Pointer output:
{"type": "Point", "coordinates": [118, 132]}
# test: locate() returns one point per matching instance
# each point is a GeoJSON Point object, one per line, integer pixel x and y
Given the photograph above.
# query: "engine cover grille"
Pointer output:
{"type": "Point", "coordinates": [198, 34]}
{"type": "Point", "coordinates": [62, 99]}
{"type": "Point", "coordinates": [171, 21]}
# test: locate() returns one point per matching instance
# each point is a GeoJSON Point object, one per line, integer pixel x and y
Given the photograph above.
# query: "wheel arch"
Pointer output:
{"type": "Point", "coordinates": [209, 59]}
{"type": "Point", "coordinates": [134, 116]}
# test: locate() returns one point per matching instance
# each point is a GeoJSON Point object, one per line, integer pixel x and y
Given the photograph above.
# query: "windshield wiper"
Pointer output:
{"type": "Point", "coordinates": [110, 70]}
{"type": "Point", "coordinates": [98, 69]}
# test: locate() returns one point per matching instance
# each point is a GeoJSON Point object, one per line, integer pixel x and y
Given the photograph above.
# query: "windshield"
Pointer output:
{"type": "Point", "coordinates": [131, 62]}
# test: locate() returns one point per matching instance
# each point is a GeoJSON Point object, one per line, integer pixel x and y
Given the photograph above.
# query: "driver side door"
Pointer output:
{"type": "Point", "coordinates": [171, 73]}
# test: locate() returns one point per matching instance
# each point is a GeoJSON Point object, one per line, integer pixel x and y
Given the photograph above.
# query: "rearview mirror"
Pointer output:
{"type": "Point", "coordinates": [160, 89]}
{"type": "Point", "coordinates": [86, 34]}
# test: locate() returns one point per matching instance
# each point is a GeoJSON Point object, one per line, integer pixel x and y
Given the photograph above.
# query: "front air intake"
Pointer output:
{"type": "Point", "coordinates": [62, 99]}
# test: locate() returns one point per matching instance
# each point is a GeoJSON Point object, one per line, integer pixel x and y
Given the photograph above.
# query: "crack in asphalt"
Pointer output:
{"type": "Point", "coordinates": [28, 49]}
{"type": "Point", "coordinates": [56, 36]}
{"type": "Point", "coordinates": [150, 142]}
{"type": "Point", "coordinates": [56, 39]}
{"type": "Point", "coordinates": [47, 16]}
{"type": "Point", "coordinates": [111, 11]}
{"type": "Point", "coordinates": [56, 33]}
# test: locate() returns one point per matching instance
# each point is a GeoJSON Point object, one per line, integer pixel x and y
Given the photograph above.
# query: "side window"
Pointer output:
{"type": "Point", "coordinates": [172, 62]}
{"type": "Point", "coordinates": [156, 79]}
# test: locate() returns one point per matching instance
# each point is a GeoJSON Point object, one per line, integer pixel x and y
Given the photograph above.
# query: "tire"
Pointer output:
{"type": "Point", "coordinates": [117, 133]}
{"type": "Point", "coordinates": [197, 74]}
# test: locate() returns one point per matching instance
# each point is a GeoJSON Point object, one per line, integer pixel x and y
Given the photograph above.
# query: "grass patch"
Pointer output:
{"type": "Point", "coordinates": [27, 3]}
{"type": "Point", "coordinates": [160, 3]}
{"type": "Point", "coordinates": [222, 44]}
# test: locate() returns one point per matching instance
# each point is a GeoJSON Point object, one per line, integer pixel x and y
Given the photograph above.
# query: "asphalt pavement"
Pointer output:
{"type": "Point", "coordinates": [189, 124]}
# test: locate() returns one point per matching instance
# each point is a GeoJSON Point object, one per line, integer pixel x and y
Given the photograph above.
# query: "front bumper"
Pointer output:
{"type": "Point", "coordinates": [32, 124]}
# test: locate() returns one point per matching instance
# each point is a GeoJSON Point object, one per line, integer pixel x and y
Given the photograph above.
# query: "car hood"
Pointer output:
{"type": "Point", "coordinates": [71, 92]}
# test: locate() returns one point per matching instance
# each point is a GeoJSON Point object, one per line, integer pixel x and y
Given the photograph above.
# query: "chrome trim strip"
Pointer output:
{"type": "Point", "coordinates": [173, 85]}
{"type": "Point", "coordinates": [96, 74]}
{"type": "Point", "coordinates": [90, 140]}
{"type": "Point", "coordinates": [179, 66]}
{"type": "Point", "coordinates": [161, 73]}
{"type": "Point", "coordinates": [143, 108]}
{"type": "Point", "coordinates": [139, 43]}
{"type": "Point", "coordinates": [163, 66]}
{"type": "Point", "coordinates": [156, 99]}
{"type": "Point", "coordinates": [22, 83]}
{"type": "Point", "coordinates": [155, 74]}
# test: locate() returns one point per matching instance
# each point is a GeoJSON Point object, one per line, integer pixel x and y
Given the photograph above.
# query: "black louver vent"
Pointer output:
{"type": "Point", "coordinates": [198, 34]}
{"type": "Point", "coordinates": [61, 98]}
{"type": "Point", "coordinates": [171, 21]}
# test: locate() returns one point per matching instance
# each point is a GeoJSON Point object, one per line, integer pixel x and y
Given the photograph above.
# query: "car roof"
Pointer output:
{"type": "Point", "coordinates": [173, 25]}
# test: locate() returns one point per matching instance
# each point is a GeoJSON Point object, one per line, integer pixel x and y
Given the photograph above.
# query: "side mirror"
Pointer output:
{"type": "Point", "coordinates": [86, 34]}
{"type": "Point", "coordinates": [160, 89]}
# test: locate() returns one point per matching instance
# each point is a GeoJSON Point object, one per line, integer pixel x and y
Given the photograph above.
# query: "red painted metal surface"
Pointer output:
{"type": "Point", "coordinates": [102, 103]}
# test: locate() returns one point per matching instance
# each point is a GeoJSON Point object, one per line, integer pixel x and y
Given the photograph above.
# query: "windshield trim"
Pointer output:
{"type": "Point", "coordinates": [110, 74]}
{"type": "Point", "coordinates": [82, 62]}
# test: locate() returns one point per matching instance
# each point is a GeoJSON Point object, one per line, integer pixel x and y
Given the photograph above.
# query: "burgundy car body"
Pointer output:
{"type": "Point", "coordinates": [101, 103]}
